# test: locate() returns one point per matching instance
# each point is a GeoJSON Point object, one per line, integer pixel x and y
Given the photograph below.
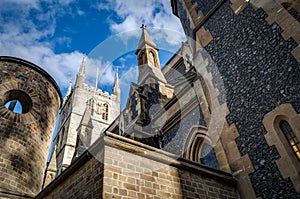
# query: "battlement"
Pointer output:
{"type": "Point", "coordinates": [99, 92]}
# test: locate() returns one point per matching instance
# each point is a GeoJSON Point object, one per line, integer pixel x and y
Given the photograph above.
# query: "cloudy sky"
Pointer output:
{"type": "Point", "coordinates": [55, 34]}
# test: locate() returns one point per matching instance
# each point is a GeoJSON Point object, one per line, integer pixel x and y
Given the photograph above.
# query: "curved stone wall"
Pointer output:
{"type": "Point", "coordinates": [25, 135]}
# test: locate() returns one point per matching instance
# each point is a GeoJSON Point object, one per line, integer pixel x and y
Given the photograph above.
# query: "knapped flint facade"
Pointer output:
{"type": "Point", "coordinates": [255, 47]}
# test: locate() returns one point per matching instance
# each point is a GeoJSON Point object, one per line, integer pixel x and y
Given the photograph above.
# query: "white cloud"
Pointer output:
{"type": "Point", "coordinates": [62, 67]}
{"type": "Point", "coordinates": [31, 3]}
{"type": "Point", "coordinates": [129, 23]}
{"type": "Point", "coordinates": [106, 72]}
{"type": "Point", "coordinates": [80, 12]}
{"type": "Point", "coordinates": [153, 13]}
{"type": "Point", "coordinates": [66, 2]}
{"type": "Point", "coordinates": [26, 31]}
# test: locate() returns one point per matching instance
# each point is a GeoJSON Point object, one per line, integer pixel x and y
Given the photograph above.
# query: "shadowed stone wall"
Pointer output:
{"type": "Point", "coordinates": [123, 168]}
{"type": "Point", "coordinates": [25, 137]}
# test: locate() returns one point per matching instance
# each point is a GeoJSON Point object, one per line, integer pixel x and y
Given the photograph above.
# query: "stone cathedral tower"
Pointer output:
{"type": "Point", "coordinates": [85, 114]}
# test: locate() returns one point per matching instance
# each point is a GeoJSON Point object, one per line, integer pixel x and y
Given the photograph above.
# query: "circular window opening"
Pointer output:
{"type": "Point", "coordinates": [18, 101]}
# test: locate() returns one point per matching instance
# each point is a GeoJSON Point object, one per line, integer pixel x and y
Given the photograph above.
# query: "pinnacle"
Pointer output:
{"type": "Point", "coordinates": [145, 39]}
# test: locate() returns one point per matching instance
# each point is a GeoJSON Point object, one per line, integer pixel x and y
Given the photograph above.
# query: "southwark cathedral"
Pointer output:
{"type": "Point", "coordinates": [221, 119]}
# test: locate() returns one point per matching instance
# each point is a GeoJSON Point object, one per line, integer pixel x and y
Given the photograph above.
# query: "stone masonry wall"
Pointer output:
{"type": "Point", "coordinates": [25, 138]}
{"type": "Point", "coordinates": [129, 169]}
{"type": "Point", "coordinates": [78, 181]}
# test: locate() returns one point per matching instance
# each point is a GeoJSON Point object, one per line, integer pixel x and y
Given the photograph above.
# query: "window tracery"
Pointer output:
{"type": "Point", "coordinates": [105, 112]}
{"type": "Point", "coordinates": [98, 108]}
{"type": "Point", "coordinates": [291, 137]}
{"type": "Point", "coordinates": [283, 127]}
{"type": "Point", "coordinates": [198, 148]}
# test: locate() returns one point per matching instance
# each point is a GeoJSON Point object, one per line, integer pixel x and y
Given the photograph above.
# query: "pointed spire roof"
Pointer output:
{"type": "Point", "coordinates": [116, 89]}
{"type": "Point", "coordinates": [116, 82]}
{"type": "Point", "coordinates": [84, 130]}
{"type": "Point", "coordinates": [80, 79]}
{"type": "Point", "coordinates": [82, 66]}
{"type": "Point", "coordinates": [87, 115]}
{"type": "Point", "coordinates": [69, 88]}
{"type": "Point", "coordinates": [145, 39]}
{"type": "Point", "coordinates": [68, 92]}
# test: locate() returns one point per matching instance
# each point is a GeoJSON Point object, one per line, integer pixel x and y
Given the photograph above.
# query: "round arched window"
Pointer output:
{"type": "Point", "coordinates": [17, 101]}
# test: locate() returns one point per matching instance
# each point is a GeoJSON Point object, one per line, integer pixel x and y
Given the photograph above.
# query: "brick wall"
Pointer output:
{"type": "Point", "coordinates": [117, 167]}
{"type": "Point", "coordinates": [78, 181]}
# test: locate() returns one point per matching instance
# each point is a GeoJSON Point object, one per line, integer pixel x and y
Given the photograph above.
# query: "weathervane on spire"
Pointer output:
{"type": "Point", "coordinates": [143, 27]}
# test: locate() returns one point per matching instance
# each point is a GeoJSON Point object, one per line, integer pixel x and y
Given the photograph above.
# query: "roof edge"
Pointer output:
{"type": "Point", "coordinates": [36, 68]}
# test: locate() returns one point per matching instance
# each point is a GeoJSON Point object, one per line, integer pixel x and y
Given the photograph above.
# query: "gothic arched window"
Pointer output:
{"type": "Point", "coordinates": [62, 135]}
{"type": "Point", "coordinates": [105, 112]}
{"type": "Point", "coordinates": [291, 137]}
{"type": "Point", "coordinates": [152, 58]}
{"type": "Point", "coordinates": [199, 149]}
{"type": "Point", "coordinates": [57, 141]}
{"type": "Point", "coordinates": [283, 132]}
{"type": "Point", "coordinates": [208, 156]}
{"type": "Point", "coordinates": [142, 58]}
{"type": "Point", "coordinates": [98, 108]}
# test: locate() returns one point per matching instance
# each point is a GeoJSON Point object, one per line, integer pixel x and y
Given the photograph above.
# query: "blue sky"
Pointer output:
{"type": "Point", "coordinates": [55, 35]}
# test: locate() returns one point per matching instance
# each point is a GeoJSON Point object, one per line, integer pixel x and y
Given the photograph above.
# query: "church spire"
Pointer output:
{"type": "Point", "coordinates": [116, 89]}
{"type": "Point", "coordinates": [82, 66]}
{"type": "Point", "coordinates": [80, 79]}
{"type": "Point", "coordinates": [68, 92]}
{"type": "Point", "coordinates": [145, 40]}
{"type": "Point", "coordinates": [148, 60]}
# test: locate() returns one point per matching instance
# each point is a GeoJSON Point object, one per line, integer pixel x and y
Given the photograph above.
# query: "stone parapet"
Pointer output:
{"type": "Point", "coordinates": [123, 168]}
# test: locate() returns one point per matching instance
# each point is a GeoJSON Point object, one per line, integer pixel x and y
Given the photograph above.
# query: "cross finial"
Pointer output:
{"type": "Point", "coordinates": [143, 27]}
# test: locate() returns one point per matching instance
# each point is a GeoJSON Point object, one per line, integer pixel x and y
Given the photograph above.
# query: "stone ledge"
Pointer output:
{"type": "Point", "coordinates": [164, 157]}
{"type": "Point", "coordinates": [8, 194]}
